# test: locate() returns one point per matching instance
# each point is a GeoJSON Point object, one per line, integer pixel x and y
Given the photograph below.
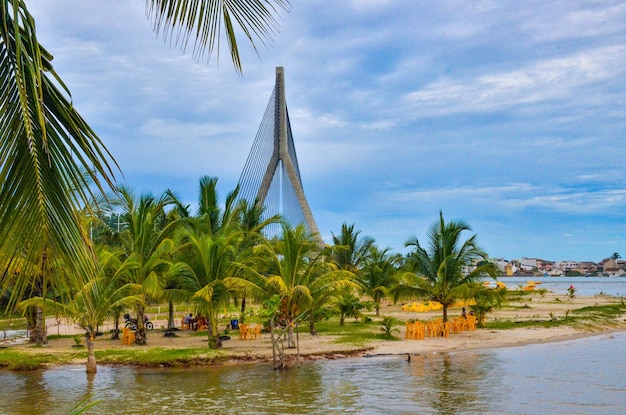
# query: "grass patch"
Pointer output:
{"type": "Point", "coordinates": [578, 318]}
{"type": "Point", "coordinates": [357, 334]}
{"type": "Point", "coordinates": [159, 357]}
{"type": "Point", "coordinates": [24, 361]}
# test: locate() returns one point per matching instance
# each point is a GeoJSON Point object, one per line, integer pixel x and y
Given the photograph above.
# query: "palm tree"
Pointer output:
{"type": "Point", "coordinates": [298, 273]}
{"type": "Point", "coordinates": [251, 224]}
{"type": "Point", "coordinates": [90, 304]}
{"type": "Point", "coordinates": [350, 252]}
{"type": "Point", "coordinates": [46, 146]}
{"type": "Point", "coordinates": [442, 266]}
{"type": "Point", "coordinates": [48, 154]}
{"type": "Point", "coordinates": [379, 274]}
{"type": "Point", "coordinates": [147, 249]}
{"type": "Point", "coordinates": [348, 305]}
{"type": "Point", "coordinates": [211, 244]}
{"type": "Point", "coordinates": [211, 274]}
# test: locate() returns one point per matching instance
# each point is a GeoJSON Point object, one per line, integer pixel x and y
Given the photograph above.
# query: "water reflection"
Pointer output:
{"type": "Point", "coordinates": [454, 383]}
{"type": "Point", "coordinates": [531, 379]}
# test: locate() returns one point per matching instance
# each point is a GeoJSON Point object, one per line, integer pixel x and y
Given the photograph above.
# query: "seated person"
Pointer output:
{"type": "Point", "coordinates": [189, 320]}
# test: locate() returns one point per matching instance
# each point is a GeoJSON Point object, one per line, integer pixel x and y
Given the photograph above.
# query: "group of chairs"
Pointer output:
{"type": "Point", "coordinates": [199, 324]}
{"type": "Point", "coordinates": [418, 330]}
{"type": "Point", "coordinates": [249, 331]}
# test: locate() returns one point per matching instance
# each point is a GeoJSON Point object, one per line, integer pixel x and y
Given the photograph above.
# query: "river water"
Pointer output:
{"type": "Point", "coordinates": [584, 376]}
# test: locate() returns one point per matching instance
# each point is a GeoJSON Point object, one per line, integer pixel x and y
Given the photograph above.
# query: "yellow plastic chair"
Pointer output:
{"type": "Point", "coordinates": [256, 331]}
{"type": "Point", "coordinates": [243, 331]}
{"type": "Point", "coordinates": [445, 330]}
{"type": "Point", "coordinates": [471, 322]}
{"type": "Point", "coordinates": [410, 327]}
{"type": "Point", "coordinates": [128, 336]}
{"type": "Point", "coordinates": [183, 325]}
{"type": "Point", "coordinates": [419, 330]}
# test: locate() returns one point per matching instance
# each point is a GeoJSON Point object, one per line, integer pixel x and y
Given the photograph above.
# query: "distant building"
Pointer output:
{"type": "Point", "coordinates": [507, 268]}
{"type": "Point", "coordinates": [531, 264]}
{"type": "Point", "coordinates": [566, 266]}
{"type": "Point", "coordinates": [610, 268]}
{"type": "Point", "coordinates": [587, 267]}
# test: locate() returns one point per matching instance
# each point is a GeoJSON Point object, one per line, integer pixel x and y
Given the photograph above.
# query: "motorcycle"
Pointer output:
{"type": "Point", "coordinates": [131, 323]}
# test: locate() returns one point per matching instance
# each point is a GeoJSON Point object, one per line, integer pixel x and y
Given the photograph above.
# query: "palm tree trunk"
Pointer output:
{"type": "Point", "coordinates": [140, 335]}
{"type": "Point", "coordinates": [445, 313]}
{"type": "Point", "coordinates": [290, 337]}
{"type": "Point", "coordinates": [312, 327]}
{"type": "Point", "coordinates": [297, 346]}
{"type": "Point", "coordinates": [91, 366]}
{"type": "Point", "coordinates": [274, 357]}
{"type": "Point", "coordinates": [116, 330]}
{"type": "Point", "coordinates": [170, 315]}
{"type": "Point", "coordinates": [42, 339]}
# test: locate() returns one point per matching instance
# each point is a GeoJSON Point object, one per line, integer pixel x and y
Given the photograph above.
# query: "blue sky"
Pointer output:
{"type": "Point", "coordinates": [508, 115]}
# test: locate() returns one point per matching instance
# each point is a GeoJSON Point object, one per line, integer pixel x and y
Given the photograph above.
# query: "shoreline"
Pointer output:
{"type": "Point", "coordinates": [331, 346]}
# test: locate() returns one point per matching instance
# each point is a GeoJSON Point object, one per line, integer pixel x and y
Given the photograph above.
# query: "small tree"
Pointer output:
{"type": "Point", "coordinates": [348, 305]}
{"type": "Point", "coordinates": [387, 326]}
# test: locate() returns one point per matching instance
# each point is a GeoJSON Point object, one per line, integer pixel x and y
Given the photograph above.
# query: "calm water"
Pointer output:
{"type": "Point", "coordinates": [585, 376]}
{"type": "Point", "coordinates": [615, 286]}
{"type": "Point", "coordinates": [576, 377]}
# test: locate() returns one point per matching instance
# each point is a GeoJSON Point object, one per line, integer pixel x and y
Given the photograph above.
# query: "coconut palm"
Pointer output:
{"type": "Point", "coordinates": [211, 274]}
{"type": "Point", "coordinates": [45, 145]}
{"type": "Point", "coordinates": [346, 304]}
{"type": "Point", "coordinates": [89, 304]}
{"type": "Point", "coordinates": [147, 249]}
{"type": "Point", "coordinates": [210, 244]}
{"type": "Point", "coordinates": [298, 273]}
{"type": "Point", "coordinates": [48, 154]}
{"type": "Point", "coordinates": [251, 225]}
{"type": "Point", "coordinates": [444, 269]}
{"type": "Point", "coordinates": [379, 274]}
{"type": "Point", "coordinates": [350, 252]}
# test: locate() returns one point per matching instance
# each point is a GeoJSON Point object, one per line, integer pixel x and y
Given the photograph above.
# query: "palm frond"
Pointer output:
{"type": "Point", "coordinates": [206, 20]}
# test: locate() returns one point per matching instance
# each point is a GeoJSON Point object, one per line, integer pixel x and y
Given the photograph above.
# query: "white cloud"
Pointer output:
{"type": "Point", "coordinates": [550, 80]}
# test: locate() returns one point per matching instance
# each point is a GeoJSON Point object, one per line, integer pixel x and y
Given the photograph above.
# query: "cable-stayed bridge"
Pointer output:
{"type": "Point", "coordinates": [271, 175]}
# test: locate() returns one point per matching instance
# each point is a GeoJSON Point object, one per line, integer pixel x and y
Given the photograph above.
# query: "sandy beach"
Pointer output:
{"type": "Point", "coordinates": [535, 307]}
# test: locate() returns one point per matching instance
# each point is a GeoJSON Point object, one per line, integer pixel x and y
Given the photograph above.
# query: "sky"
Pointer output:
{"type": "Point", "coordinates": [509, 115]}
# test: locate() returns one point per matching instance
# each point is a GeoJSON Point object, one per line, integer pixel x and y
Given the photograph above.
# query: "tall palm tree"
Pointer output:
{"type": "Point", "coordinates": [442, 266]}
{"type": "Point", "coordinates": [210, 244]}
{"type": "Point", "coordinates": [45, 145]}
{"type": "Point", "coordinates": [212, 274]}
{"type": "Point", "coordinates": [379, 274]}
{"type": "Point", "coordinates": [298, 273]}
{"type": "Point", "coordinates": [350, 252]}
{"type": "Point", "coordinates": [90, 304]}
{"type": "Point", "coordinates": [251, 224]}
{"type": "Point", "coordinates": [147, 249]}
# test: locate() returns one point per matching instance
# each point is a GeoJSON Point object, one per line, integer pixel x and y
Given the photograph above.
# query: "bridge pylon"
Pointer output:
{"type": "Point", "coordinates": [271, 175]}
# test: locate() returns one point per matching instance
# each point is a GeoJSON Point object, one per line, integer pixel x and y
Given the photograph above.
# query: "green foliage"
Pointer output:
{"type": "Point", "coordinates": [78, 339]}
{"type": "Point", "coordinates": [346, 304]}
{"type": "Point", "coordinates": [388, 324]}
{"type": "Point", "coordinates": [440, 266]}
